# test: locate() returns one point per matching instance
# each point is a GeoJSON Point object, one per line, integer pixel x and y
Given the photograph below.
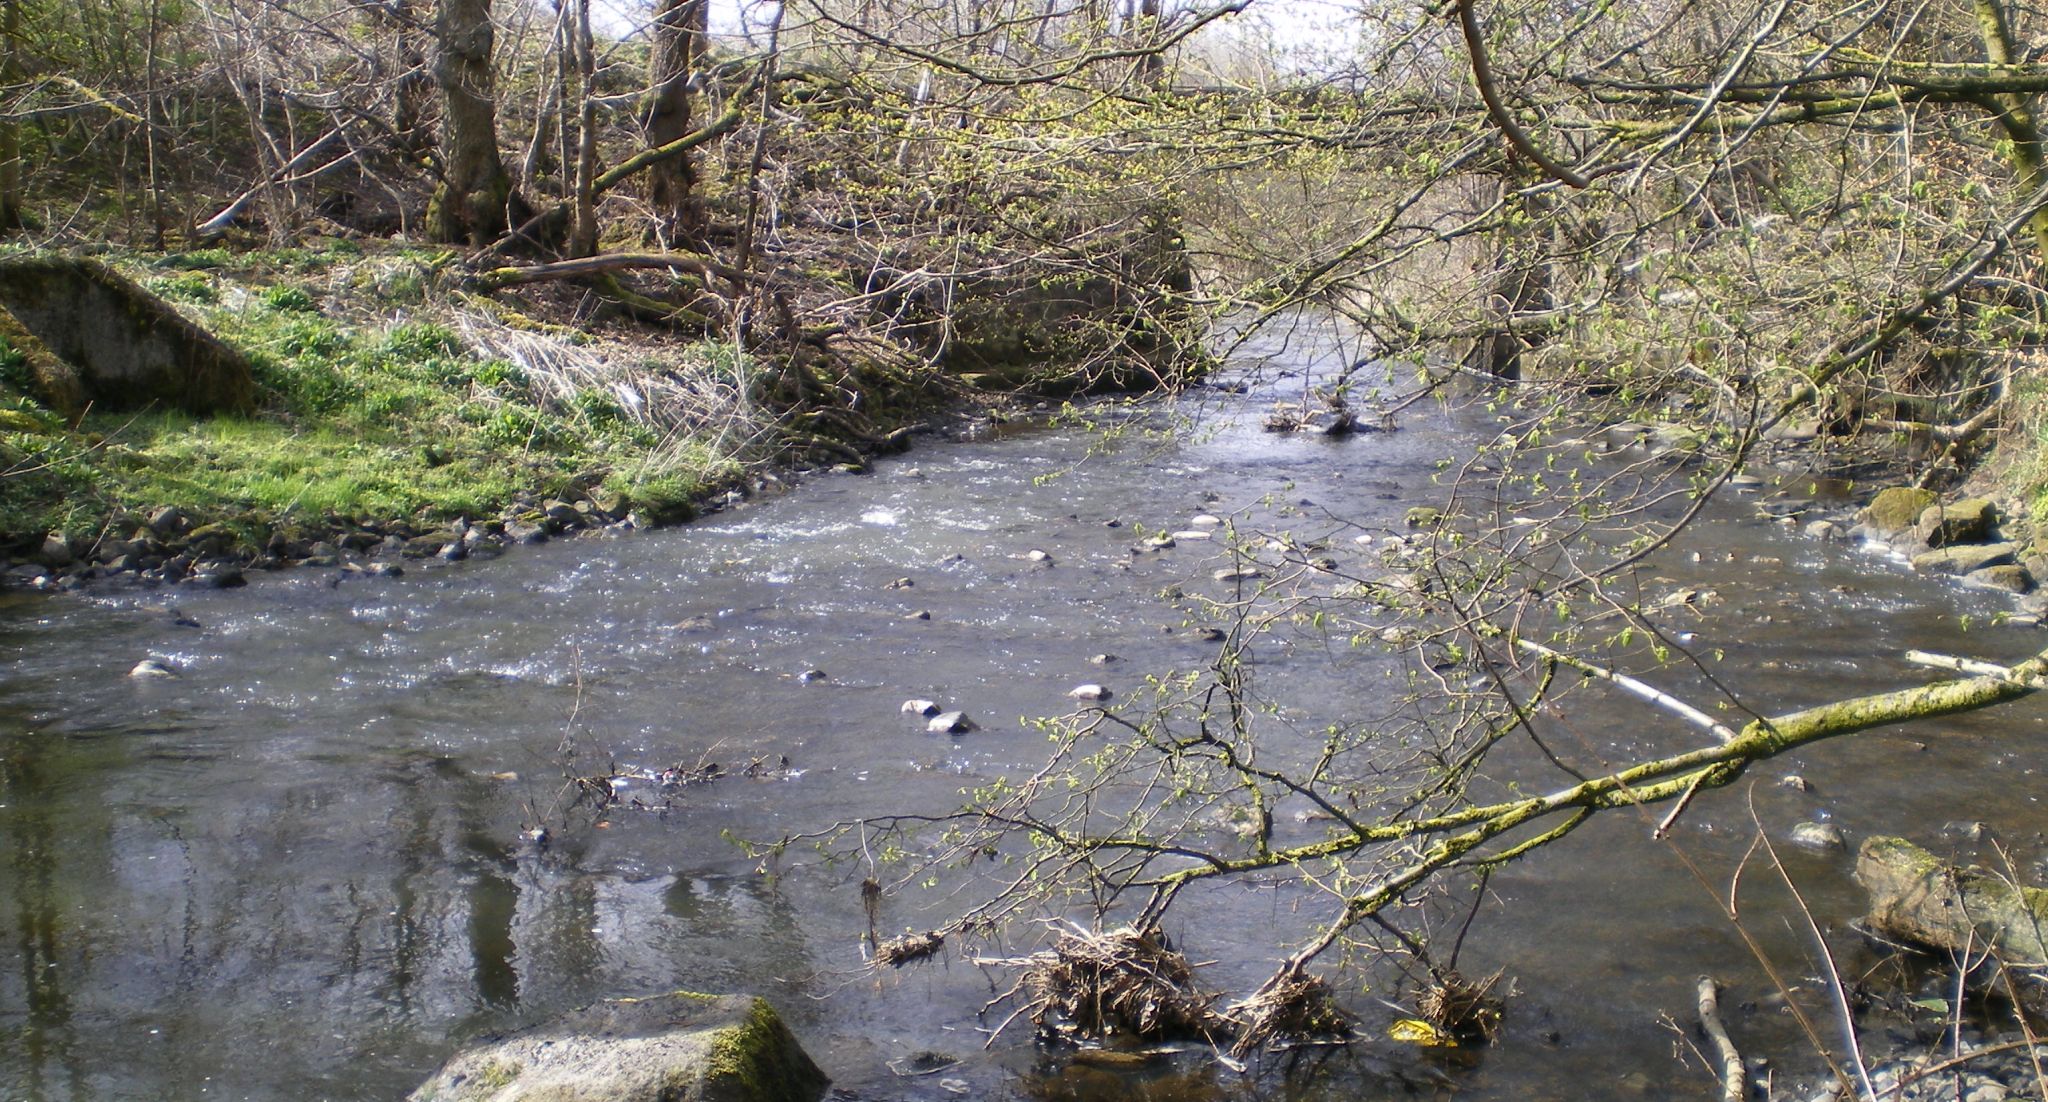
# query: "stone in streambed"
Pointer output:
{"type": "Point", "coordinates": [682, 1047]}
{"type": "Point", "coordinates": [1820, 836]}
{"type": "Point", "coordinates": [920, 708]}
{"type": "Point", "coordinates": [1967, 521]}
{"type": "Point", "coordinates": [1896, 509]}
{"type": "Point", "coordinates": [153, 669]}
{"type": "Point", "coordinates": [1090, 692]}
{"type": "Point", "coordinates": [950, 723]}
{"type": "Point", "coordinates": [1965, 558]}
{"type": "Point", "coordinates": [2010, 578]}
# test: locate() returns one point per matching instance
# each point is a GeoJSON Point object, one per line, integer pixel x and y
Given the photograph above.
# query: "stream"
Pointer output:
{"type": "Point", "coordinates": [295, 871]}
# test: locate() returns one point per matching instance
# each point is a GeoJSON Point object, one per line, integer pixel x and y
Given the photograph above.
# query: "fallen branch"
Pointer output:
{"type": "Point", "coordinates": [612, 262]}
{"type": "Point", "coordinates": [1734, 1085]}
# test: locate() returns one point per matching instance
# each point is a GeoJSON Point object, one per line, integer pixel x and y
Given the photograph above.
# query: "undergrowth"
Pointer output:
{"type": "Point", "coordinates": [378, 401]}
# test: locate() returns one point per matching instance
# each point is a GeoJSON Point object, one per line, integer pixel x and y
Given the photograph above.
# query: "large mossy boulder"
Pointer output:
{"type": "Point", "coordinates": [1896, 509]}
{"type": "Point", "coordinates": [681, 1047]}
{"type": "Point", "coordinates": [90, 336]}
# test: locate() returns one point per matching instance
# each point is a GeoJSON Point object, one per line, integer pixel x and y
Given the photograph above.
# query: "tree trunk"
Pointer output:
{"type": "Point", "coordinates": [583, 213]}
{"type": "Point", "coordinates": [470, 204]}
{"type": "Point", "coordinates": [10, 130]}
{"type": "Point", "coordinates": [2016, 113]}
{"type": "Point", "coordinates": [679, 30]}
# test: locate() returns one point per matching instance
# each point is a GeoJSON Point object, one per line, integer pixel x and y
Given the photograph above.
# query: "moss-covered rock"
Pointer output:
{"type": "Point", "coordinates": [91, 336]}
{"type": "Point", "coordinates": [1915, 897]}
{"type": "Point", "coordinates": [680, 1047]}
{"type": "Point", "coordinates": [1970, 520]}
{"type": "Point", "coordinates": [1896, 509]}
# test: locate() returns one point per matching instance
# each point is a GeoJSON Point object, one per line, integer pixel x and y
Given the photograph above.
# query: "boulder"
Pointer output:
{"type": "Point", "coordinates": [1967, 521]}
{"type": "Point", "coordinates": [681, 1047]}
{"type": "Point", "coordinates": [92, 337]}
{"type": "Point", "coordinates": [950, 723]}
{"type": "Point", "coordinates": [1965, 559]}
{"type": "Point", "coordinates": [1896, 509]}
{"type": "Point", "coordinates": [2010, 578]}
{"type": "Point", "coordinates": [1917, 898]}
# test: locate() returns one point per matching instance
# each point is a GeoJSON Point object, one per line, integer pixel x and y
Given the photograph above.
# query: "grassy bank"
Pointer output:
{"type": "Point", "coordinates": [387, 395]}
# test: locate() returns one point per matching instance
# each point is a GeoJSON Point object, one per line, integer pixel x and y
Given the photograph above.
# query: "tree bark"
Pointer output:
{"type": "Point", "coordinates": [2015, 113]}
{"type": "Point", "coordinates": [679, 30]}
{"type": "Point", "coordinates": [583, 215]}
{"type": "Point", "coordinates": [10, 130]}
{"type": "Point", "coordinates": [471, 202]}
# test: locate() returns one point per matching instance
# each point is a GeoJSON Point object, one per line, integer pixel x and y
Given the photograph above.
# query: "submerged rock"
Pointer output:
{"type": "Point", "coordinates": [681, 1047]}
{"type": "Point", "coordinates": [150, 669]}
{"type": "Point", "coordinates": [1822, 836]}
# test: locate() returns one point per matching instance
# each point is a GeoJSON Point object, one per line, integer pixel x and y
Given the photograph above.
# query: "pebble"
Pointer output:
{"type": "Point", "coordinates": [809, 676]}
{"type": "Point", "coordinates": [1795, 782]}
{"type": "Point", "coordinates": [1191, 534]}
{"type": "Point", "coordinates": [901, 583]}
{"type": "Point", "coordinates": [920, 614]}
{"type": "Point", "coordinates": [1104, 659]}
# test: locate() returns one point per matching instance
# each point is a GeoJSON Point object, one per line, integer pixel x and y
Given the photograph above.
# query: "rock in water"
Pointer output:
{"type": "Point", "coordinates": [152, 668]}
{"type": "Point", "coordinates": [1915, 897]}
{"type": "Point", "coordinates": [1820, 836]}
{"type": "Point", "coordinates": [668, 1048]}
{"type": "Point", "coordinates": [920, 708]}
{"type": "Point", "coordinates": [1970, 520]}
{"type": "Point", "coordinates": [1089, 691]}
{"type": "Point", "coordinates": [1896, 509]}
{"type": "Point", "coordinates": [950, 723]}
{"type": "Point", "coordinates": [1965, 558]}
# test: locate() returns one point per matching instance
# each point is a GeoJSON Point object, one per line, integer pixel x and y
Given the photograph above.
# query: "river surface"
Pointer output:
{"type": "Point", "coordinates": [295, 871]}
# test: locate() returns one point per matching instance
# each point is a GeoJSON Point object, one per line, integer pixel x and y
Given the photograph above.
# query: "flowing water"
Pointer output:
{"type": "Point", "coordinates": [295, 870]}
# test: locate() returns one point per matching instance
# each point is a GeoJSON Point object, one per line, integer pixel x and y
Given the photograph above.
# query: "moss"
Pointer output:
{"type": "Point", "coordinates": [1897, 508]}
{"type": "Point", "coordinates": [759, 1059]}
{"type": "Point", "coordinates": [497, 1075]}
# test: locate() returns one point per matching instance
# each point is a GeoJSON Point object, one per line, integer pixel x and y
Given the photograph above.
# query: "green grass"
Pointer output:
{"type": "Point", "coordinates": [355, 424]}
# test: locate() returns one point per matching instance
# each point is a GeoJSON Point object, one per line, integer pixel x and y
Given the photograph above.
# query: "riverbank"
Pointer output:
{"type": "Point", "coordinates": [401, 416]}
